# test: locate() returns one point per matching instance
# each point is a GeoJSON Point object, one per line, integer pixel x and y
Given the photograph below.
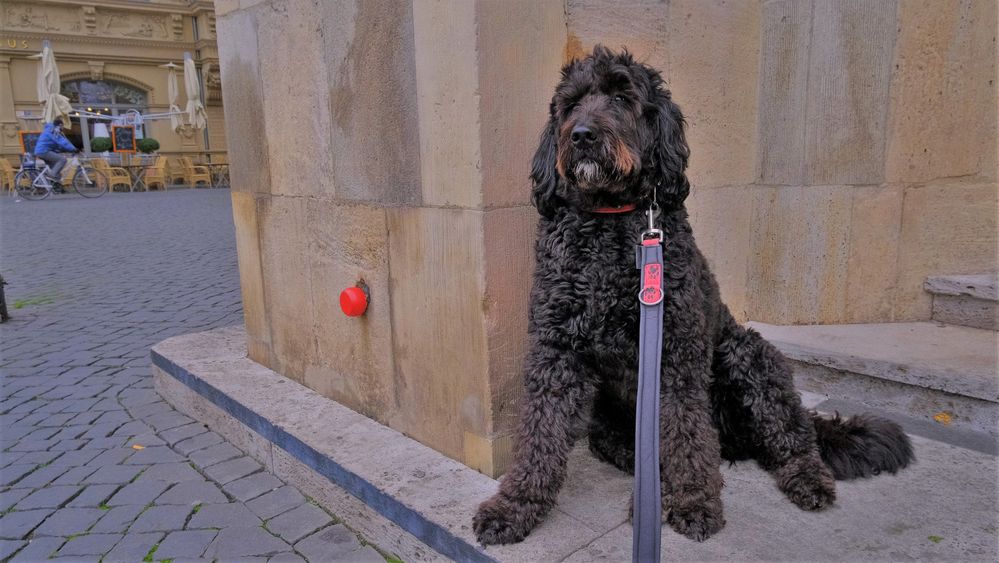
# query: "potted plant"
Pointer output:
{"type": "Point", "coordinates": [147, 145]}
{"type": "Point", "coordinates": [100, 144]}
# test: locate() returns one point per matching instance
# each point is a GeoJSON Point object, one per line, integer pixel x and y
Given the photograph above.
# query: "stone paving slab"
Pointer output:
{"type": "Point", "coordinates": [247, 488]}
{"type": "Point", "coordinates": [10, 497]}
{"type": "Point", "coordinates": [134, 547]}
{"type": "Point", "coordinates": [154, 454]}
{"type": "Point", "coordinates": [245, 541]}
{"type": "Point", "coordinates": [193, 493]}
{"type": "Point", "coordinates": [140, 492]}
{"type": "Point", "coordinates": [233, 469]}
{"type": "Point", "coordinates": [161, 519]}
{"type": "Point", "coordinates": [331, 544]}
{"type": "Point", "coordinates": [9, 547]}
{"type": "Point", "coordinates": [114, 475]}
{"type": "Point", "coordinates": [187, 543]}
{"type": "Point", "coordinates": [198, 442]}
{"type": "Point", "coordinates": [38, 549]}
{"type": "Point", "coordinates": [69, 521]}
{"type": "Point", "coordinates": [94, 495]}
{"type": "Point", "coordinates": [175, 435]}
{"type": "Point", "coordinates": [276, 502]}
{"type": "Point", "coordinates": [90, 544]}
{"type": "Point", "coordinates": [48, 497]}
{"type": "Point", "coordinates": [171, 473]}
{"type": "Point", "coordinates": [17, 525]}
{"type": "Point", "coordinates": [298, 523]}
{"type": "Point", "coordinates": [215, 454]}
{"type": "Point", "coordinates": [118, 519]}
{"type": "Point", "coordinates": [223, 516]}
{"type": "Point", "coordinates": [76, 475]}
{"type": "Point", "coordinates": [76, 392]}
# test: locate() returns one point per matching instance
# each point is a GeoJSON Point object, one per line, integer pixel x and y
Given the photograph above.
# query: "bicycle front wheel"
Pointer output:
{"type": "Point", "coordinates": [90, 182]}
{"type": "Point", "coordinates": [26, 187]}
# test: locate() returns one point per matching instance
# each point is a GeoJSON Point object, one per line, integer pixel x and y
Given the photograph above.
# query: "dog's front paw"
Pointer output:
{"type": "Point", "coordinates": [697, 523]}
{"type": "Point", "coordinates": [502, 520]}
{"type": "Point", "coordinates": [808, 483]}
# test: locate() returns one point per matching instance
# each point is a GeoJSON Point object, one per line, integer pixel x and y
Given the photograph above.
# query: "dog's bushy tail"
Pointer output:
{"type": "Point", "coordinates": [862, 446]}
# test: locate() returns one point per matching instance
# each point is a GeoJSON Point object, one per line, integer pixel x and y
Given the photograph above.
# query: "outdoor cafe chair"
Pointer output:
{"type": "Point", "coordinates": [195, 173]}
{"type": "Point", "coordinates": [7, 173]}
{"type": "Point", "coordinates": [156, 174]}
{"type": "Point", "coordinates": [116, 176]}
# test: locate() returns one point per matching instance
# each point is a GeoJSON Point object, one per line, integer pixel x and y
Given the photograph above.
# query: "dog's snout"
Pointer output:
{"type": "Point", "coordinates": [583, 136]}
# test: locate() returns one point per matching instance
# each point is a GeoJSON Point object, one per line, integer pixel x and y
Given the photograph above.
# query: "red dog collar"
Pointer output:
{"type": "Point", "coordinates": [611, 210]}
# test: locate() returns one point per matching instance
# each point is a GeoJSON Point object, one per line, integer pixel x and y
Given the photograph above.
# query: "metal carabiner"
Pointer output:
{"type": "Point", "coordinates": [652, 232]}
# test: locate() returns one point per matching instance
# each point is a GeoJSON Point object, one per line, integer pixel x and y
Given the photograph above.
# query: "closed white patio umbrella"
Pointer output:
{"type": "Point", "coordinates": [196, 115]}
{"type": "Point", "coordinates": [173, 92]}
{"type": "Point", "coordinates": [54, 103]}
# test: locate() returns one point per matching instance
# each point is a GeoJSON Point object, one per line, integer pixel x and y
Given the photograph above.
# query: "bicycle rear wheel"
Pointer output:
{"type": "Point", "coordinates": [24, 183]}
{"type": "Point", "coordinates": [90, 182]}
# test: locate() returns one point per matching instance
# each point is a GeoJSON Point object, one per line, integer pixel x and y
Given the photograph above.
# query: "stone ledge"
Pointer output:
{"type": "Point", "coordinates": [979, 286]}
{"type": "Point", "coordinates": [404, 488]}
{"type": "Point", "coordinates": [405, 497]}
{"type": "Point", "coordinates": [953, 359]}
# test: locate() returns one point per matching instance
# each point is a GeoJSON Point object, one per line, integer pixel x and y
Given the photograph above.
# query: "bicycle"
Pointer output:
{"type": "Point", "coordinates": [34, 184]}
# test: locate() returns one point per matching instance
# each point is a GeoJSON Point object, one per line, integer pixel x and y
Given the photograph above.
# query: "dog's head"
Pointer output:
{"type": "Point", "coordinates": [613, 136]}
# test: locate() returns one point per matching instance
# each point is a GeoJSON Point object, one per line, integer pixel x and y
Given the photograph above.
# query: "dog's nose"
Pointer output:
{"type": "Point", "coordinates": [583, 136]}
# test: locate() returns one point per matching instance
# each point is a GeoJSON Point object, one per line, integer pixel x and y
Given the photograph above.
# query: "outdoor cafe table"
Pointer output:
{"type": "Point", "coordinates": [137, 171]}
{"type": "Point", "coordinates": [219, 174]}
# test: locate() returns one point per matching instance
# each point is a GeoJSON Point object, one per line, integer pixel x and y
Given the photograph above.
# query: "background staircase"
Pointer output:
{"type": "Point", "coordinates": [939, 374]}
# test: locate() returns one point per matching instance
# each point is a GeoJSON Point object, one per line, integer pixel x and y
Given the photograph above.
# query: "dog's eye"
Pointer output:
{"type": "Point", "coordinates": [619, 99]}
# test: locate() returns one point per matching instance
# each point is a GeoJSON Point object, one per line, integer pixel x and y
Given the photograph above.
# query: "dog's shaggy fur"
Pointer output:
{"type": "Point", "coordinates": [615, 137]}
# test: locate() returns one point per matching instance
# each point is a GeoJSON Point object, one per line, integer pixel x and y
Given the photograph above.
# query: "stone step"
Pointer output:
{"type": "Point", "coordinates": [391, 488]}
{"type": "Point", "coordinates": [966, 300]}
{"type": "Point", "coordinates": [941, 373]}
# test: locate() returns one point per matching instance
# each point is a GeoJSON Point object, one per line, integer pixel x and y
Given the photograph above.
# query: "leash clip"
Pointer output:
{"type": "Point", "coordinates": [652, 235]}
{"type": "Point", "coordinates": [652, 270]}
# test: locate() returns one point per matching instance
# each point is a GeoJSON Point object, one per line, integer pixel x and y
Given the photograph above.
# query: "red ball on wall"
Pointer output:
{"type": "Point", "coordinates": [353, 301]}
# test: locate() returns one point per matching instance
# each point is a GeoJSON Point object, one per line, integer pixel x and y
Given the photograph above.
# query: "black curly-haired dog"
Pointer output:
{"type": "Point", "coordinates": [614, 139]}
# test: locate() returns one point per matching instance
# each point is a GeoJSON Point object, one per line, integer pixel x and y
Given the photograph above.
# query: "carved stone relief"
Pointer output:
{"type": "Point", "coordinates": [132, 25]}
{"type": "Point", "coordinates": [187, 137]}
{"type": "Point", "coordinates": [96, 70]}
{"type": "Point", "coordinates": [177, 24]}
{"type": "Point", "coordinates": [213, 82]}
{"type": "Point", "coordinates": [23, 16]}
{"type": "Point", "coordinates": [94, 20]}
{"type": "Point", "coordinates": [90, 19]}
{"type": "Point", "coordinates": [10, 130]}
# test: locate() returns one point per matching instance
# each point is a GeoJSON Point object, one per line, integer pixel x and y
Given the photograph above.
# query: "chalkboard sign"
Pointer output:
{"type": "Point", "coordinates": [123, 138]}
{"type": "Point", "coordinates": [28, 140]}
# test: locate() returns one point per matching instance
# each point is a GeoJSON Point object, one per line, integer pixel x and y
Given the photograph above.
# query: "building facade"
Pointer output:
{"type": "Point", "coordinates": [110, 55]}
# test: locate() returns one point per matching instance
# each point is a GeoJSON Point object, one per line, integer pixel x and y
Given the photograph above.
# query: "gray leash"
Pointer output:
{"type": "Point", "coordinates": [647, 516]}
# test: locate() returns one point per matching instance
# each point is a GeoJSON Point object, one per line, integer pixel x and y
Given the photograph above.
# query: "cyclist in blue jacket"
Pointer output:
{"type": "Point", "coordinates": [50, 143]}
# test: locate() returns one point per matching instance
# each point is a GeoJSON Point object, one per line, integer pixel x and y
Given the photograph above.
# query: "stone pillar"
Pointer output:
{"type": "Point", "coordinates": [9, 140]}
{"type": "Point", "coordinates": [396, 152]}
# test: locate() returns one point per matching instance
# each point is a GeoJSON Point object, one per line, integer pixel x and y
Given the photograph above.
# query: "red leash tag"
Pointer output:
{"type": "Point", "coordinates": [652, 285]}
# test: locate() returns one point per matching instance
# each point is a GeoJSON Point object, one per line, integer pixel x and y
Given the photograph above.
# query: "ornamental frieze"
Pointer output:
{"type": "Point", "coordinates": [23, 16]}
{"type": "Point", "coordinates": [91, 20]}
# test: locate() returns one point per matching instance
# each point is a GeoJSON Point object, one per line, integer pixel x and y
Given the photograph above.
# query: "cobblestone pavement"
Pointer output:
{"type": "Point", "coordinates": [95, 465]}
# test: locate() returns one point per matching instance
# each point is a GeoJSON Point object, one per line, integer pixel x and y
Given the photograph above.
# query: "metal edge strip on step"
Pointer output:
{"type": "Point", "coordinates": [430, 533]}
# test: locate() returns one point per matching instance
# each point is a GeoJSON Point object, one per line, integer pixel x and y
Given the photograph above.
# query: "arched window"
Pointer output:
{"type": "Point", "coordinates": [107, 97]}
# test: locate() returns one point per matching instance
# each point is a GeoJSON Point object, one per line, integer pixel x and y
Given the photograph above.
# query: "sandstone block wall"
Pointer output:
{"type": "Point", "coordinates": [842, 152]}
{"type": "Point", "coordinates": [389, 142]}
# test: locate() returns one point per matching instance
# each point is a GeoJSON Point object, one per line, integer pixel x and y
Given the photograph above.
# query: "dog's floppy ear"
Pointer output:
{"type": "Point", "coordinates": [670, 152]}
{"type": "Point", "coordinates": [543, 173]}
